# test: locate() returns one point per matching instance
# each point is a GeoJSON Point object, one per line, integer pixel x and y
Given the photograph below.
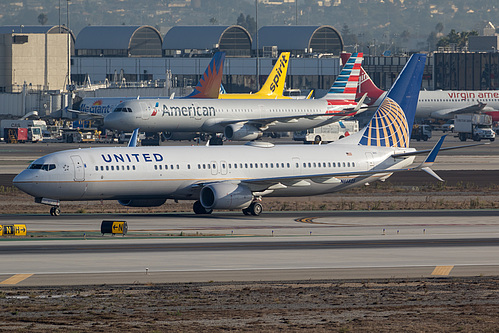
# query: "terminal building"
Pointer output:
{"type": "Point", "coordinates": [35, 62]}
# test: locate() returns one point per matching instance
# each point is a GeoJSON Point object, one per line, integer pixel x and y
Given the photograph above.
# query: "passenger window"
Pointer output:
{"type": "Point", "coordinates": [271, 165]}
{"type": "Point", "coordinates": [246, 165]}
{"type": "Point", "coordinates": [178, 166]}
{"type": "Point", "coordinates": [128, 167]}
{"type": "Point", "coordinates": [107, 167]}
{"type": "Point", "coordinates": [188, 166]}
{"type": "Point", "coordinates": [204, 166]}
{"type": "Point", "coordinates": [133, 167]}
{"type": "Point", "coordinates": [101, 168]}
{"type": "Point", "coordinates": [267, 165]}
{"type": "Point", "coordinates": [112, 167]}
{"type": "Point", "coordinates": [277, 165]}
{"type": "Point", "coordinates": [96, 168]}
{"type": "Point", "coordinates": [171, 166]}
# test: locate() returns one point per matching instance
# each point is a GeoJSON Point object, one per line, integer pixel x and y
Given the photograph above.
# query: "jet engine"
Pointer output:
{"type": "Point", "coordinates": [225, 196]}
{"type": "Point", "coordinates": [241, 132]}
{"type": "Point", "coordinates": [142, 202]}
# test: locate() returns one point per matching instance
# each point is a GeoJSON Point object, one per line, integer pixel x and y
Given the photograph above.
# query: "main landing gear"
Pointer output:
{"type": "Point", "coordinates": [55, 211]}
{"type": "Point", "coordinates": [254, 209]}
{"type": "Point", "coordinates": [199, 209]}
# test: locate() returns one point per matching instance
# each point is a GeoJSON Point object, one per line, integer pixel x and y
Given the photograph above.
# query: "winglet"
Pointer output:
{"type": "Point", "coordinates": [430, 159]}
{"type": "Point", "coordinates": [133, 138]}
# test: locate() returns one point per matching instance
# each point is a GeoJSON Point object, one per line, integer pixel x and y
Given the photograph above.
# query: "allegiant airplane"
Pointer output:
{"type": "Point", "coordinates": [237, 177]}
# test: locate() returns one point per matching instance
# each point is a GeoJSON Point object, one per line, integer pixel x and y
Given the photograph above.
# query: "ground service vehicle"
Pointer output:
{"type": "Point", "coordinates": [327, 133]}
{"type": "Point", "coordinates": [474, 126]}
{"type": "Point", "coordinates": [421, 132]}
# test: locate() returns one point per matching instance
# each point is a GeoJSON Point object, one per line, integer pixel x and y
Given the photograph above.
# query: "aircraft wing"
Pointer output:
{"type": "Point", "coordinates": [469, 109]}
{"type": "Point", "coordinates": [83, 113]}
{"type": "Point", "coordinates": [264, 123]}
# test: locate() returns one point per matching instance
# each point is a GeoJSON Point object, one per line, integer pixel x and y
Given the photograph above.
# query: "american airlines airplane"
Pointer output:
{"type": "Point", "coordinates": [236, 177]}
{"type": "Point", "coordinates": [242, 120]}
{"type": "Point", "coordinates": [438, 104]}
{"type": "Point", "coordinates": [207, 87]}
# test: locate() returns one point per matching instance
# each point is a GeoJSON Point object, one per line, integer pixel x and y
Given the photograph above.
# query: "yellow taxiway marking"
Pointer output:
{"type": "Point", "coordinates": [442, 270]}
{"type": "Point", "coordinates": [16, 279]}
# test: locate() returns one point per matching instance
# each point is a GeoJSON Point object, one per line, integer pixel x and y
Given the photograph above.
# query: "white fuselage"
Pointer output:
{"type": "Point", "coordinates": [123, 173]}
{"type": "Point", "coordinates": [204, 115]}
{"type": "Point", "coordinates": [443, 104]}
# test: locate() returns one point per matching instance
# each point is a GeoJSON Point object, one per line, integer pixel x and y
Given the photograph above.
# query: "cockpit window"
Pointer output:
{"type": "Point", "coordinates": [122, 110]}
{"type": "Point", "coordinates": [46, 167]}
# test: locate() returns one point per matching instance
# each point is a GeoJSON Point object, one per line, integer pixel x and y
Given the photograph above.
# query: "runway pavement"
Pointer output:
{"type": "Point", "coordinates": [233, 247]}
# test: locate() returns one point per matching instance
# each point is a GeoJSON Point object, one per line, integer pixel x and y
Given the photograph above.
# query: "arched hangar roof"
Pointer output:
{"type": "Point", "coordinates": [120, 40]}
{"type": "Point", "coordinates": [321, 39]}
{"type": "Point", "coordinates": [234, 39]}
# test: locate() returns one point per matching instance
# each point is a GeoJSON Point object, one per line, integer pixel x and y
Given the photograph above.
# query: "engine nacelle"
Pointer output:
{"type": "Point", "coordinates": [241, 132]}
{"type": "Point", "coordinates": [179, 136]}
{"type": "Point", "coordinates": [225, 196]}
{"type": "Point", "coordinates": [142, 202]}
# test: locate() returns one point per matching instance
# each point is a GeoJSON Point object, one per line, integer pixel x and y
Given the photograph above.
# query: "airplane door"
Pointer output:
{"type": "Point", "coordinates": [223, 167]}
{"type": "Point", "coordinates": [79, 169]}
{"type": "Point", "coordinates": [146, 110]}
{"type": "Point", "coordinates": [370, 160]}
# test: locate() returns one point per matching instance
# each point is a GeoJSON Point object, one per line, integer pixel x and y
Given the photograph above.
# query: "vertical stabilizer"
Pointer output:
{"type": "Point", "coordinates": [209, 84]}
{"type": "Point", "coordinates": [366, 85]}
{"type": "Point", "coordinates": [277, 78]}
{"type": "Point", "coordinates": [391, 124]}
{"type": "Point", "coordinates": [344, 88]}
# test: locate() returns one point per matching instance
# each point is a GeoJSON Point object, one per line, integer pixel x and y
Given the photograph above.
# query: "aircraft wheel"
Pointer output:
{"type": "Point", "coordinates": [255, 208]}
{"type": "Point", "coordinates": [199, 209]}
{"type": "Point", "coordinates": [55, 211]}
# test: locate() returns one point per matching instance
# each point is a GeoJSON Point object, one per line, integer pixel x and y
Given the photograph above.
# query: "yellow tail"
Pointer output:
{"type": "Point", "coordinates": [274, 86]}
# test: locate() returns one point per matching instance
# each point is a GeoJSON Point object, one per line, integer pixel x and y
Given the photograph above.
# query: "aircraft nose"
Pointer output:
{"type": "Point", "coordinates": [120, 121]}
{"type": "Point", "coordinates": [24, 182]}
{"type": "Point", "coordinates": [111, 121]}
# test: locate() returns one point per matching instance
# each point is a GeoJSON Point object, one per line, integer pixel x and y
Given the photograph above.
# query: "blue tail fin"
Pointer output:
{"type": "Point", "coordinates": [391, 124]}
{"type": "Point", "coordinates": [209, 84]}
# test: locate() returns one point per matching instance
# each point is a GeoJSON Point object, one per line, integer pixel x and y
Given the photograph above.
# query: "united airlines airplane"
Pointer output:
{"type": "Point", "coordinates": [242, 120]}
{"type": "Point", "coordinates": [236, 177]}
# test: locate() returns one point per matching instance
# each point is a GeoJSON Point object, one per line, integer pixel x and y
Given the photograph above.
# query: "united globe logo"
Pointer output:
{"type": "Point", "coordinates": [388, 127]}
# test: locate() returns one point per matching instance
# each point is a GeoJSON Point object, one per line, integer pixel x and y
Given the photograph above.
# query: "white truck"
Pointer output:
{"type": "Point", "coordinates": [474, 126]}
{"type": "Point", "coordinates": [35, 128]}
{"type": "Point", "coordinates": [327, 133]}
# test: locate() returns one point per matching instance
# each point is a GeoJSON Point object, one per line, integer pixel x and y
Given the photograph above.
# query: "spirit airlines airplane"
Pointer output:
{"type": "Point", "coordinates": [242, 120]}
{"type": "Point", "coordinates": [236, 177]}
{"type": "Point", "coordinates": [207, 87]}
{"type": "Point", "coordinates": [439, 104]}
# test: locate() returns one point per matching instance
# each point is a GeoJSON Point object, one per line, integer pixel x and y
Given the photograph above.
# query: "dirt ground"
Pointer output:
{"type": "Point", "coordinates": [377, 196]}
{"type": "Point", "coordinates": [392, 305]}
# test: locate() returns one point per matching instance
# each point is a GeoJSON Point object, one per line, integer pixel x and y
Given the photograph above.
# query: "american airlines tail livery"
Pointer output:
{"type": "Point", "coordinates": [236, 177]}
{"type": "Point", "coordinates": [438, 104]}
{"type": "Point", "coordinates": [241, 119]}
